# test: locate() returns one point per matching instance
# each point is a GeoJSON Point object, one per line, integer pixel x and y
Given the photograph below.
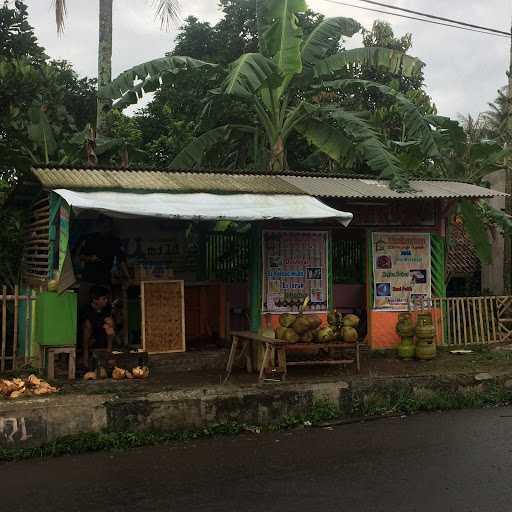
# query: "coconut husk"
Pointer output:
{"type": "Point", "coordinates": [17, 393]}
{"type": "Point", "coordinates": [34, 381]}
{"type": "Point", "coordinates": [7, 387]}
{"type": "Point", "coordinates": [118, 373]}
{"type": "Point", "coordinates": [140, 372]}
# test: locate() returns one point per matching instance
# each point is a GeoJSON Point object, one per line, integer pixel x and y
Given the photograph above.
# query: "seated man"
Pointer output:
{"type": "Point", "coordinates": [98, 327]}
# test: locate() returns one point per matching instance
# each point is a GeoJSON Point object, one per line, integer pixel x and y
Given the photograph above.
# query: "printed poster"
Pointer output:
{"type": "Point", "coordinates": [401, 269]}
{"type": "Point", "coordinates": [294, 267]}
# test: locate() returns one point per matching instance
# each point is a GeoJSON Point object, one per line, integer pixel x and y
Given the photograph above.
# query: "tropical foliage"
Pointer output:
{"type": "Point", "coordinates": [300, 85]}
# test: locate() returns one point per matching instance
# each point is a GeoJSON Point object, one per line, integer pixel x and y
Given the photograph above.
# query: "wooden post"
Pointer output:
{"type": "Point", "coordinates": [369, 282]}
{"type": "Point", "coordinates": [55, 203]}
{"type": "Point", "coordinates": [330, 273]}
{"type": "Point", "coordinates": [15, 333]}
{"type": "Point", "coordinates": [255, 278]}
{"type": "Point", "coordinates": [4, 326]}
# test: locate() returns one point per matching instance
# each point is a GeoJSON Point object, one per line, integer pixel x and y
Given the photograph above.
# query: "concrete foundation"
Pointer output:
{"type": "Point", "coordinates": [33, 422]}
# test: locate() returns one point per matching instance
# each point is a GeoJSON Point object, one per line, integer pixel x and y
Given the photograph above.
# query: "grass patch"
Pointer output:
{"type": "Point", "coordinates": [383, 400]}
{"type": "Point", "coordinates": [322, 411]}
{"type": "Point", "coordinates": [403, 399]}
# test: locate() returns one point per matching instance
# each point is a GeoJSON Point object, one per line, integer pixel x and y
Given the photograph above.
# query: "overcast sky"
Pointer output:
{"type": "Point", "coordinates": [463, 69]}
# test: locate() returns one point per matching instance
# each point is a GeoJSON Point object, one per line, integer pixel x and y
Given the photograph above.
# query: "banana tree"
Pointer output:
{"type": "Point", "coordinates": [297, 84]}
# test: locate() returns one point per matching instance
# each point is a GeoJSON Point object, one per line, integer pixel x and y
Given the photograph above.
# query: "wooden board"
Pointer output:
{"type": "Point", "coordinates": [163, 316]}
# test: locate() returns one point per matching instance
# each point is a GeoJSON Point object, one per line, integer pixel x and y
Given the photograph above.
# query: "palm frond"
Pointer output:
{"type": "Point", "coordinates": [167, 11]}
{"type": "Point", "coordinates": [60, 14]}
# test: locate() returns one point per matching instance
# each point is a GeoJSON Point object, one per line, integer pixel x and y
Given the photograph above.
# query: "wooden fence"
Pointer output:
{"type": "Point", "coordinates": [473, 320]}
{"type": "Point", "coordinates": [15, 324]}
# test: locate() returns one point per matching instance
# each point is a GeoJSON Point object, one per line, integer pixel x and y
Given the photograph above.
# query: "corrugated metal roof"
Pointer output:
{"type": "Point", "coordinates": [257, 183]}
{"type": "Point", "coordinates": [163, 181]}
{"type": "Point", "coordinates": [355, 188]}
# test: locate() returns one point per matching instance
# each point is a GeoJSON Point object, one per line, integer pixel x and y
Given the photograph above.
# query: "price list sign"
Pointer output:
{"type": "Point", "coordinates": [294, 267]}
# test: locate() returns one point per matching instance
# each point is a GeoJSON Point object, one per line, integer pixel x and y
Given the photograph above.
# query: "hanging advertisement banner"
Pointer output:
{"type": "Point", "coordinates": [294, 267]}
{"type": "Point", "coordinates": [401, 269]}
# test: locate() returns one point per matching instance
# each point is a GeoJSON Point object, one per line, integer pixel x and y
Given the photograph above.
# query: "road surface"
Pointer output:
{"type": "Point", "coordinates": [455, 461]}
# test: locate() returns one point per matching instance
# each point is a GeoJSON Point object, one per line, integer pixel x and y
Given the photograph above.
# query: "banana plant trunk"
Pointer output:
{"type": "Point", "coordinates": [104, 63]}
{"type": "Point", "coordinates": [278, 156]}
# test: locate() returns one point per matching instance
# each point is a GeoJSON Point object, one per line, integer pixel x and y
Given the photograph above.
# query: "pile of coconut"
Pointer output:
{"type": "Point", "coordinates": [308, 328]}
{"type": "Point", "coordinates": [32, 385]}
{"type": "Point", "coordinates": [139, 372]}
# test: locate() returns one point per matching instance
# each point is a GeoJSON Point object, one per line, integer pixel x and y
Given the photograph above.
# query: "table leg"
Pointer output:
{"type": "Point", "coordinates": [231, 358]}
{"type": "Point", "coordinates": [281, 356]}
{"type": "Point", "coordinates": [72, 365]}
{"type": "Point", "coordinates": [248, 356]}
{"type": "Point", "coordinates": [266, 359]}
{"type": "Point", "coordinates": [358, 361]}
{"type": "Point", "coordinates": [51, 364]}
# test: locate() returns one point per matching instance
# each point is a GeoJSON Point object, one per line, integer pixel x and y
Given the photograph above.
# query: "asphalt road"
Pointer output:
{"type": "Point", "coordinates": [456, 461]}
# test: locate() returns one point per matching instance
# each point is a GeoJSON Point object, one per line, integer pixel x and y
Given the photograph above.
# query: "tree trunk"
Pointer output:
{"type": "Point", "coordinates": [104, 63]}
{"type": "Point", "coordinates": [278, 156]}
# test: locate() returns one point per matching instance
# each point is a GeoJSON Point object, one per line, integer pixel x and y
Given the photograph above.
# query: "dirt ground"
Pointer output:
{"type": "Point", "coordinates": [496, 361]}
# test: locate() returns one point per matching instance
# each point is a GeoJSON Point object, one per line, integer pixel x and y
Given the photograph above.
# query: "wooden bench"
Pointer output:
{"type": "Point", "coordinates": [274, 355]}
{"type": "Point", "coordinates": [48, 359]}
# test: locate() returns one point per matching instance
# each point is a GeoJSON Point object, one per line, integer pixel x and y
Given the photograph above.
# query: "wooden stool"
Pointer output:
{"type": "Point", "coordinates": [51, 352]}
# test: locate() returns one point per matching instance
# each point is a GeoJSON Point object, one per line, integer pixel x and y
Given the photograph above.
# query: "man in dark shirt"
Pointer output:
{"type": "Point", "coordinates": [98, 327]}
{"type": "Point", "coordinates": [97, 253]}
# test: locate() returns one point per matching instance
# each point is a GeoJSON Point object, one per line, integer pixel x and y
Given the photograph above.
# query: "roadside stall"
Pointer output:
{"type": "Point", "coordinates": [211, 253]}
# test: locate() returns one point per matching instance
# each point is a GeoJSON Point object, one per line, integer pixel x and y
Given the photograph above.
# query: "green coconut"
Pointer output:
{"type": "Point", "coordinates": [325, 334]}
{"type": "Point", "coordinates": [280, 330]}
{"type": "Point", "coordinates": [314, 321]}
{"type": "Point", "coordinates": [301, 324]}
{"type": "Point", "coordinates": [290, 335]}
{"type": "Point", "coordinates": [307, 337]}
{"type": "Point", "coordinates": [351, 321]}
{"type": "Point", "coordinates": [349, 335]}
{"type": "Point", "coordinates": [286, 319]}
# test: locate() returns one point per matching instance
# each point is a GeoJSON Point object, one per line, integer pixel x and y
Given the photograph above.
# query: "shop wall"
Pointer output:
{"type": "Point", "coordinates": [400, 217]}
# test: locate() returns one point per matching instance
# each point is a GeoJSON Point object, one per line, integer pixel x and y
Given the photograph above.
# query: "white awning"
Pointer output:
{"type": "Point", "coordinates": [201, 206]}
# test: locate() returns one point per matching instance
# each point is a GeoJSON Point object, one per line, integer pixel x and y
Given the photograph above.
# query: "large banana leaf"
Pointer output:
{"type": "Point", "coordinates": [476, 229]}
{"type": "Point", "coordinates": [192, 155]}
{"type": "Point", "coordinates": [370, 148]}
{"type": "Point", "coordinates": [282, 33]}
{"type": "Point", "coordinates": [392, 61]}
{"type": "Point", "coordinates": [40, 131]}
{"type": "Point", "coordinates": [325, 35]}
{"type": "Point", "coordinates": [417, 126]}
{"type": "Point", "coordinates": [150, 73]}
{"type": "Point", "coordinates": [250, 73]}
{"type": "Point", "coordinates": [327, 138]}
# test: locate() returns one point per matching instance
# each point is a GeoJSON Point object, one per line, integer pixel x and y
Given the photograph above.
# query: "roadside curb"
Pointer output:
{"type": "Point", "coordinates": [35, 422]}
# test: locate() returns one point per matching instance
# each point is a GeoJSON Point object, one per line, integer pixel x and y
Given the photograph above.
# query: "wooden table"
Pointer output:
{"type": "Point", "coordinates": [274, 356]}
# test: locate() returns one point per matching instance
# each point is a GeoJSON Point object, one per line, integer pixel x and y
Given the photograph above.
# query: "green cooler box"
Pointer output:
{"type": "Point", "coordinates": [56, 319]}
